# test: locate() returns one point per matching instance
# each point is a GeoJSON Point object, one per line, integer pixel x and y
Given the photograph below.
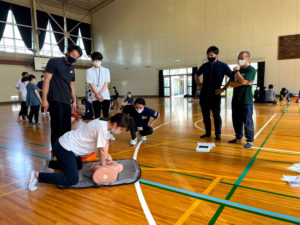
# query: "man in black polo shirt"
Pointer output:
{"type": "Point", "coordinates": [210, 97]}
{"type": "Point", "coordinates": [59, 90]}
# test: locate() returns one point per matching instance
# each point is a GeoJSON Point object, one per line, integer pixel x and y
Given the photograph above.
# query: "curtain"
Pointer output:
{"type": "Point", "coordinates": [23, 16]}
{"type": "Point", "coordinates": [261, 74]}
{"type": "Point", "coordinates": [86, 32]}
{"type": "Point", "coordinates": [55, 27]}
{"type": "Point", "coordinates": [42, 21]}
{"type": "Point", "coordinates": [70, 25]}
{"type": "Point", "coordinates": [4, 7]}
{"type": "Point", "coordinates": [194, 85]}
{"type": "Point", "coordinates": [161, 84]}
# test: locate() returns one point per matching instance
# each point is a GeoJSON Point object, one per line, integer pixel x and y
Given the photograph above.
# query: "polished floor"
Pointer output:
{"type": "Point", "coordinates": [228, 185]}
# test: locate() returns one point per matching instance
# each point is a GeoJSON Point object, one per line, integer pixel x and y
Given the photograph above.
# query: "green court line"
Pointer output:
{"type": "Point", "coordinates": [244, 173]}
{"type": "Point", "coordinates": [227, 183]}
{"type": "Point", "coordinates": [215, 202]}
{"type": "Point", "coordinates": [27, 142]}
{"type": "Point", "coordinates": [219, 153]}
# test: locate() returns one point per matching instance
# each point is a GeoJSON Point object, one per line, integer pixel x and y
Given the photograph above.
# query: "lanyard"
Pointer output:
{"type": "Point", "coordinates": [99, 77]}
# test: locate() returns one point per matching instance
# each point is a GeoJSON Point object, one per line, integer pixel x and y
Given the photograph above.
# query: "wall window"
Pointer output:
{"type": "Point", "coordinates": [50, 47]}
{"type": "Point", "coordinates": [178, 82]}
{"type": "Point", "coordinates": [12, 40]}
{"type": "Point", "coordinates": [80, 43]}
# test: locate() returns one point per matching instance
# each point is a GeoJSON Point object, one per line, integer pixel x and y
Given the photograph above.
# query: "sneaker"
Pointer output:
{"type": "Point", "coordinates": [205, 136]}
{"type": "Point", "coordinates": [37, 124]}
{"type": "Point", "coordinates": [143, 138]}
{"type": "Point", "coordinates": [235, 141]}
{"type": "Point", "coordinates": [112, 138]}
{"type": "Point", "coordinates": [133, 142]}
{"type": "Point", "coordinates": [44, 114]}
{"type": "Point", "coordinates": [30, 123]}
{"type": "Point", "coordinates": [218, 138]}
{"type": "Point", "coordinates": [19, 119]}
{"type": "Point", "coordinates": [248, 145]}
{"type": "Point", "coordinates": [32, 181]}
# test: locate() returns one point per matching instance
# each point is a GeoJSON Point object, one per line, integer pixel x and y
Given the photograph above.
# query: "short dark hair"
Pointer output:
{"type": "Point", "coordinates": [76, 48]}
{"type": "Point", "coordinates": [83, 101]}
{"type": "Point", "coordinates": [31, 77]}
{"type": "Point", "coordinates": [271, 86]}
{"type": "Point", "coordinates": [140, 101]}
{"type": "Point", "coordinates": [96, 56]}
{"type": "Point", "coordinates": [121, 119]}
{"type": "Point", "coordinates": [42, 76]}
{"type": "Point", "coordinates": [24, 74]}
{"type": "Point", "coordinates": [128, 92]}
{"type": "Point", "coordinates": [24, 79]}
{"type": "Point", "coordinates": [246, 53]}
{"type": "Point", "coordinates": [114, 87]}
{"type": "Point", "coordinates": [213, 49]}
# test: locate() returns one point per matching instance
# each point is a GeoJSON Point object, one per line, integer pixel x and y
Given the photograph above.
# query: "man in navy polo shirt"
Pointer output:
{"type": "Point", "coordinates": [213, 73]}
{"type": "Point", "coordinates": [139, 120]}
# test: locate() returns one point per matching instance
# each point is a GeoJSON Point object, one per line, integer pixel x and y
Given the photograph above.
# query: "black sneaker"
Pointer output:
{"type": "Point", "coordinates": [235, 141]}
{"type": "Point", "coordinates": [218, 138]}
{"type": "Point", "coordinates": [205, 136]}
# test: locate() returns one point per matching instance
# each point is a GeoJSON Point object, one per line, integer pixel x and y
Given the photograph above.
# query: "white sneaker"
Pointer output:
{"type": "Point", "coordinates": [112, 138]}
{"type": "Point", "coordinates": [32, 181]}
{"type": "Point", "coordinates": [44, 114]}
{"type": "Point", "coordinates": [133, 142]}
{"type": "Point", "coordinates": [143, 138]}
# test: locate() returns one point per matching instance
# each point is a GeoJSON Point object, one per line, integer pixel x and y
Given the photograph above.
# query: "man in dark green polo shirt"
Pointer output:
{"type": "Point", "coordinates": [242, 101]}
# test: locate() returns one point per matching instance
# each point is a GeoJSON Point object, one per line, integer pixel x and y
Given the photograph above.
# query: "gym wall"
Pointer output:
{"type": "Point", "coordinates": [136, 34]}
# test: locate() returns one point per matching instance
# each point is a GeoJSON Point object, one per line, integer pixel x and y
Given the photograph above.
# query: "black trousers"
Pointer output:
{"type": "Point", "coordinates": [143, 130]}
{"type": "Point", "coordinates": [24, 110]}
{"type": "Point", "coordinates": [60, 120]}
{"type": "Point", "coordinates": [34, 111]}
{"type": "Point", "coordinates": [242, 119]}
{"type": "Point", "coordinates": [211, 103]}
{"type": "Point", "coordinates": [101, 106]}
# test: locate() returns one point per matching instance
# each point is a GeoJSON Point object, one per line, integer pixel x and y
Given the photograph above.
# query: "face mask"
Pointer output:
{"type": "Point", "coordinates": [97, 63]}
{"type": "Point", "coordinates": [140, 110]}
{"type": "Point", "coordinates": [71, 59]}
{"type": "Point", "coordinates": [242, 62]}
{"type": "Point", "coordinates": [211, 59]}
{"type": "Point", "coordinates": [115, 131]}
{"type": "Point", "coordinates": [26, 82]}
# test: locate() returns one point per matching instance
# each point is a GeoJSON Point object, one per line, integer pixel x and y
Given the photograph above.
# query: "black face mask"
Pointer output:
{"type": "Point", "coordinates": [211, 59]}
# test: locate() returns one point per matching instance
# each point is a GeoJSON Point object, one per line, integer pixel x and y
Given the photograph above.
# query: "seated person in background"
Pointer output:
{"type": "Point", "coordinates": [89, 113]}
{"type": "Point", "coordinates": [128, 100]}
{"type": "Point", "coordinates": [256, 94]}
{"type": "Point", "coordinates": [114, 97]}
{"type": "Point", "coordinates": [270, 95]}
{"type": "Point", "coordinates": [262, 95]}
{"type": "Point", "coordinates": [284, 95]}
{"type": "Point", "coordinates": [139, 120]}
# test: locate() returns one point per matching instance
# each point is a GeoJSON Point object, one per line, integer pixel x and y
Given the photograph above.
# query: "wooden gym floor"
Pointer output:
{"type": "Point", "coordinates": [229, 185]}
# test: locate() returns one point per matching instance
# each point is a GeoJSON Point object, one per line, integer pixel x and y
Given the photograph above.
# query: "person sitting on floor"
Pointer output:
{"type": "Point", "coordinates": [129, 100]}
{"type": "Point", "coordinates": [270, 95]}
{"type": "Point", "coordinates": [284, 95]}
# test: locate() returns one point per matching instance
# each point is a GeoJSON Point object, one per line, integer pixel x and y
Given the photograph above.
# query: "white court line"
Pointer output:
{"type": "Point", "coordinates": [266, 124]}
{"type": "Point", "coordinates": [276, 150]}
{"type": "Point", "coordinates": [172, 121]}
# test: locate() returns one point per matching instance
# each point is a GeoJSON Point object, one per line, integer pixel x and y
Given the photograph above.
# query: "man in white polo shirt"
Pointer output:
{"type": "Point", "coordinates": [98, 78]}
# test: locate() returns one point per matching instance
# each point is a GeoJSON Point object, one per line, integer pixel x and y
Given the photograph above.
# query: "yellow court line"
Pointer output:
{"type": "Point", "coordinates": [212, 175]}
{"type": "Point", "coordinates": [11, 192]}
{"type": "Point", "coordinates": [13, 182]}
{"type": "Point", "coordinates": [196, 203]}
{"type": "Point", "coordinates": [148, 146]}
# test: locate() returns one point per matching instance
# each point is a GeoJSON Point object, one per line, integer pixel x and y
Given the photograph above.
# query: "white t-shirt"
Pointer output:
{"type": "Point", "coordinates": [23, 91]}
{"type": "Point", "coordinates": [18, 84]}
{"type": "Point", "coordinates": [86, 139]}
{"type": "Point", "coordinates": [98, 77]}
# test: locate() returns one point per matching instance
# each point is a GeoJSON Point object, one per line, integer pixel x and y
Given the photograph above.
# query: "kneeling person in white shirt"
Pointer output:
{"type": "Point", "coordinates": [93, 136]}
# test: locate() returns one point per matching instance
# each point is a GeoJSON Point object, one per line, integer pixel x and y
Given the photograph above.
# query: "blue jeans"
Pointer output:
{"type": "Point", "coordinates": [67, 160]}
{"type": "Point", "coordinates": [242, 119]}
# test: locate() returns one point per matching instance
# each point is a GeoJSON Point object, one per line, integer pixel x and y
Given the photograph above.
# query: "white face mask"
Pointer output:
{"type": "Point", "coordinates": [97, 63]}
{"type": "Point", "coordinates": [114, 131]}
{"type": "Point", "coordinates": [140, 110]}
{"type": "Point", "coordinates": [242, 62]}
